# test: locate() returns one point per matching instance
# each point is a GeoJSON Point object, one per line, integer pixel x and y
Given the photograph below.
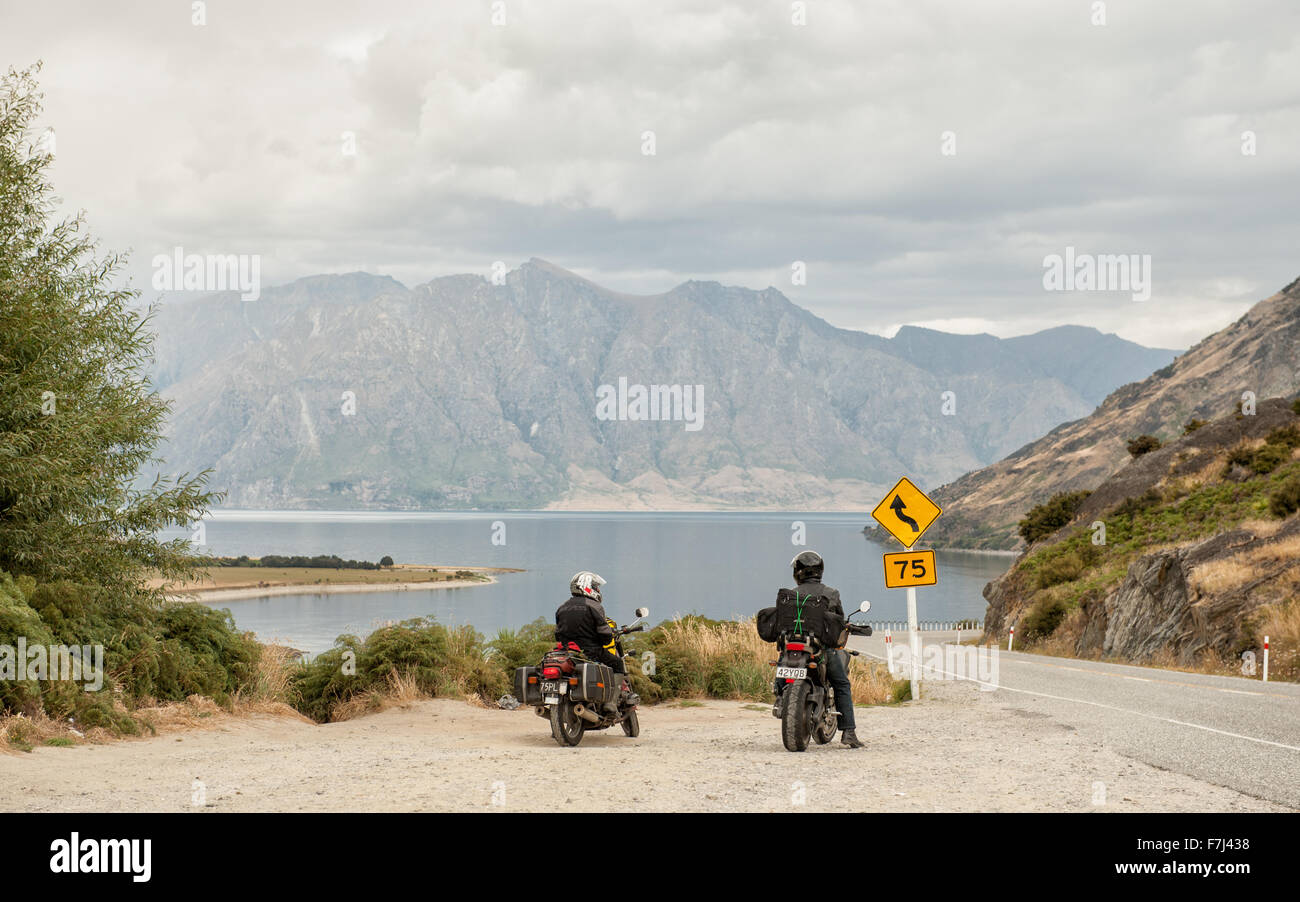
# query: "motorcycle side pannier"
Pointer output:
{"type": "Point", "coordinates": [528, 693]}
{"type": "Point", "coordinates": [765, 622]}
{"type": "Point", "coordinates": [597, 683]}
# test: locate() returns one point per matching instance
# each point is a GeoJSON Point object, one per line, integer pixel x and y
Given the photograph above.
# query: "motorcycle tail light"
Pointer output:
{"type": "Point", "coordinates": [794, 646]}
{"type": "Point", "coordinates": [550, 672]}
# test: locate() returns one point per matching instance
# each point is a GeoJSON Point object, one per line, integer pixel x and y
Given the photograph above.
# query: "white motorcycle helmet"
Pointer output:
{"type": "Point", "coordinates": [586, 583]}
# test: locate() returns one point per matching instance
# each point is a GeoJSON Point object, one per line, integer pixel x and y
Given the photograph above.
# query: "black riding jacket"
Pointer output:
{"type": "Point", "coordinates": [582, 620]}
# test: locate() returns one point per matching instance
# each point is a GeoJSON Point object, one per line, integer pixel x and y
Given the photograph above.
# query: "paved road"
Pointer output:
{"type": "Point", "coordinates": [1231, 731]}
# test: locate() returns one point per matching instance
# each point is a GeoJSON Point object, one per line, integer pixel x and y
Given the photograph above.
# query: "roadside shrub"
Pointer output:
{"type": "Point", "coordinates": [695, 657]}
{"type": "Point", "coordinates": [699, 657]}
{"type": "Point", "coordinates": [1136, 504]}
{"type": "Point", "coordinates": [18, 619]}
{"type": "Point", "coordinates": [1287, 436]}
{"type": "Point", "coordinates": [152, 651]}
{"type": "Point", "coordinates": [1269, 457]}
{"type": "Point", "coordinates": [1143, 444]}
{"type": "Point", "coordinates": [523, 647]}
{"type": "Point", "coordinates": [1051, 515]}
{"type": "Point", "coordinates": [1043, 618]}
{"type": "Point", "coordinates": [418, 656]}
{"type": "Point", "coordinates": [1295, 407]}
{"type": "Point", "coordinates": [1285, 499]}
{"type": "Point", "coordinates": [1264, 459]}
{"type": "Point", "coordinates": [1241, 456]}
{"type": "Point", "coordinates": [1192, 425]}
{"type": "Point", "coordinates": [1063, 568]}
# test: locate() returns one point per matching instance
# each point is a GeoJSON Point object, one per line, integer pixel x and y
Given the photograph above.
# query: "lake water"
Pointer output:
{"type": "Point", "coordinates": [716, 564]}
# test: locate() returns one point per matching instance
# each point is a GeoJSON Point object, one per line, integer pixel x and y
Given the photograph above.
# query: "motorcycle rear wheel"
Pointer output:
{"type": "Point", "coordinates": [826, 728]}
{"type": "Point", "coordinates": [794, 716]}
{"type": "Point", "coordinates": [566, 726]}
{"type": "Point", "coordinates": [631, 725]}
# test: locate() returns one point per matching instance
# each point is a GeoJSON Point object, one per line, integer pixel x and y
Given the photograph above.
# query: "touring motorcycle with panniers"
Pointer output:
{"type": "Point", "coordinates": [572, 691]}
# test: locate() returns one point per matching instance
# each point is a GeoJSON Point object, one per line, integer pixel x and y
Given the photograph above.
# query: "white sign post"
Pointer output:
{"type": "Point", "coordinates": [914, 642]}
{"type": "Point", "coordinates": [906, 513]}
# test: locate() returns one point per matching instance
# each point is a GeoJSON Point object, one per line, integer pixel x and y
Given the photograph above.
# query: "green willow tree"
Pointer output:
{"type": "Point", "coordinates": [78, 417]}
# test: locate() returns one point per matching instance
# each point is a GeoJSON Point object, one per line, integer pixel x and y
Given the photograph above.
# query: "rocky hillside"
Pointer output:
{"type": "Point", "coordinates": [1259, 353]}
{"type": "Point", "coordinates": [1188, 554]}
{"type": "Point", "coordinates": [355, 391]}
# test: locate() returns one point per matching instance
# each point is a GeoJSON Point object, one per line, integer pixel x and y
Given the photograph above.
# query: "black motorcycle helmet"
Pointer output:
{"type": "Point", "coordinates": [807, 565]}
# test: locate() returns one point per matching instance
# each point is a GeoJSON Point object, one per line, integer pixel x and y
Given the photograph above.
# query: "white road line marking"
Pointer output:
{"type": "Point", "coordinates": [1258, 692]}
{"type": "Point", "coordinates": [1080, 701]}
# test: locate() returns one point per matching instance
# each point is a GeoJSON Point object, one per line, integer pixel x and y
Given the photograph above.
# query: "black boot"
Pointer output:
{"type": "Point", "coordinates": [630, 698]}
{"type": "Point", "coordinates": [850, 738]}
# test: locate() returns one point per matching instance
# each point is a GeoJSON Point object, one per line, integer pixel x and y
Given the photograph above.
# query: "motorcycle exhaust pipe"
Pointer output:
{"type": "Point", "coordinates": [586, 714]}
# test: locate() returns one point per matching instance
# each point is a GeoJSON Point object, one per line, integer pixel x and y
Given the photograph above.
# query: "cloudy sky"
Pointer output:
{"type": "Point", "coordinates": [498, 131]}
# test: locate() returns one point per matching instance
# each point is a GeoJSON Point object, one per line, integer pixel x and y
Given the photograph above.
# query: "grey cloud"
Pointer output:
{"type": "Point", "coordinates": [775, 143]}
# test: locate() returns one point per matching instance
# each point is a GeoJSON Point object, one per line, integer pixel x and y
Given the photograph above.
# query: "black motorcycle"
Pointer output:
{"type": "Point", "coordinates": [805, 701]}
{"type": "Point", "coordinates": [571, 691]}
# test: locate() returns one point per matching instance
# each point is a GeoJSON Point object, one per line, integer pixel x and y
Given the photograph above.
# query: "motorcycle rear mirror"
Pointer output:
{"type": "Point", "coordinates": [864, 607]}
{"type": "Point", "coordinates": [643, 612]}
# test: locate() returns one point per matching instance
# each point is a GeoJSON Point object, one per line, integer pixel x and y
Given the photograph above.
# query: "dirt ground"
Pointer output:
{"type": "Point", "coordinates": [956, 751]}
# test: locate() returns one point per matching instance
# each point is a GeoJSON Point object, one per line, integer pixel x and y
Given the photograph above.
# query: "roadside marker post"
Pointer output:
{"type": "Point", "coordinates": [1011, 639]}
{"type": "Point", "coordinates": [889, 651]}
{"type": "Point", "coordinates": [906, 513]}
{"type": "Point", "coordinates": [1266, 659]}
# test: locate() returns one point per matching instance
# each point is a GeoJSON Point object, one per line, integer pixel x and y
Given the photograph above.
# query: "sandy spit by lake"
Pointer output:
{"type": "Point", "coordinates": [210, 595]}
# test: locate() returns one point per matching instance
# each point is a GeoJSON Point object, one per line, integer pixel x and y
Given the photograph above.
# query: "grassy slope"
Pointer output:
{"type": "Point", "coordinates": [1055, 578]}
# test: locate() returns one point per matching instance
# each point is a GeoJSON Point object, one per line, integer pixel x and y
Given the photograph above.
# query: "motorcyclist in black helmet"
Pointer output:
{"type": "Point", "coordinates": [582, 620]}
{"type": "Point", "coordinates": [808, 567]}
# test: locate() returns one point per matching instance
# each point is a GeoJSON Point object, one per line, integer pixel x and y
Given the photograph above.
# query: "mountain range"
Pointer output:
{"type": "Point", "coordinates": [356, 392]}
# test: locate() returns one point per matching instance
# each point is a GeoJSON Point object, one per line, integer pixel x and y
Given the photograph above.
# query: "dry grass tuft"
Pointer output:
{"type": "Point", "coordinates": [271, 679]}
{"type": "Point", "coordinates": [1228, 574]}
{"type": "Point", "coordinates": [727, 659]}
{"type": "Point", "coordinates": [1281, 624]}
{"type": "Point", "coordinates": [402, 688]}
{"type": "Point", "coordinates": [20, 733]}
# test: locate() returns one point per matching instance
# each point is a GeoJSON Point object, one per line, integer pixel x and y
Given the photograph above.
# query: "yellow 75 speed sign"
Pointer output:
{"type": "Point", "coordinates": [904, 569]}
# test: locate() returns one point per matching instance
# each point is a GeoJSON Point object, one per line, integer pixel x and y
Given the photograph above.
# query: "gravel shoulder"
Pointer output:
{"type": "Point", "coordinates": [958, 750]}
